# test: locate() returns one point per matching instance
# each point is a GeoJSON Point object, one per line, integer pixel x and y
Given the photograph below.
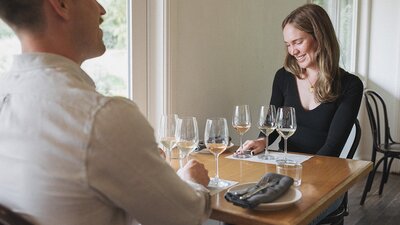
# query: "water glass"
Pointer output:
{"type": "Point", "coordinates": [292, 169]}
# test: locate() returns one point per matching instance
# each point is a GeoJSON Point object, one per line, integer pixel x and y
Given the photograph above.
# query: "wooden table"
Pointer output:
{"type": "Point", "coordinates": [324, 180]}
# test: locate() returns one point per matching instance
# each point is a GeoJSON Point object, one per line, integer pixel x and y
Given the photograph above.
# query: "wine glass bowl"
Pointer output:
{"type": "Point", "coordinates": [267, 124]}
{"type": "Point", "coordinates": [286, 125]}
{"type": "Point", "coordinates": [216, 139]}
{"type": "Point", "coordinates": [187, 137]}
{"type": "Point", "coordinates": [166, 133]}
{"type": "Point", "coordinates": [241, 122]}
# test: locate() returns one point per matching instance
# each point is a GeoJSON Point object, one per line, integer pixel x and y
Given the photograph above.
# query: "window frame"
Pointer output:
{"type": "Point", "coordinates": [149, 64]}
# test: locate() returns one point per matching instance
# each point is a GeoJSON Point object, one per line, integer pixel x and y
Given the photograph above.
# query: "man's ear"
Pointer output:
{"type": "Point", "coordinates": [61, 7]}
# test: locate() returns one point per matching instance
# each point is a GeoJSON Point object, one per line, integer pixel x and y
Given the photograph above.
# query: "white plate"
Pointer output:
{"type": "Point", "coordinates": [292, 196]}
{"type": "Point", "coordinates": [205, 150]}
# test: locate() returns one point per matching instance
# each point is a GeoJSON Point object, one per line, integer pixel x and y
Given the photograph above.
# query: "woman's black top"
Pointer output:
{"type": "Point", "coordinates": [325, 129]}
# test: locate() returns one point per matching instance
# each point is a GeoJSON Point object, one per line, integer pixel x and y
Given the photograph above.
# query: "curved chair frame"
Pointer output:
{"type": "Point", "coordinates": [376, 109]}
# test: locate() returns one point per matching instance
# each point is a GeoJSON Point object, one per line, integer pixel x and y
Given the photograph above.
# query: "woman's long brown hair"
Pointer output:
{"type": "Point", "coordinates": [314, 20]}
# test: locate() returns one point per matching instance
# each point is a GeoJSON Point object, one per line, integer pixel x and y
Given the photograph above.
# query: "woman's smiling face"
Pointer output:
{"type": "Point", "coordinates": [301, 45]}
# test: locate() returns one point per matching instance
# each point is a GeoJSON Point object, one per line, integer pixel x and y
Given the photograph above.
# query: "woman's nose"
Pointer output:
{"type": "Point", "coordinates": [293, 51]}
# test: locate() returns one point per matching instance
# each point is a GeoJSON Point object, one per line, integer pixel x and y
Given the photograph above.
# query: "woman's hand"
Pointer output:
{"type": "Point", "coordinates": [255, 146]}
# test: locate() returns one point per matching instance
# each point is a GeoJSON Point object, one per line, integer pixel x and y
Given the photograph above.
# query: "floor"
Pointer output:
{"type": "Point", "coordinates": [377, 209]}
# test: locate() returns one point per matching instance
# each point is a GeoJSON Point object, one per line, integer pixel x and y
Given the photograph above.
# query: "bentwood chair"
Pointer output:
{"type": "Point", "coordinates": [337, 216]}
{"type": "Point", "coordinates": [8, 217]}
{"type": "Point", "coordinates": [382, 141]}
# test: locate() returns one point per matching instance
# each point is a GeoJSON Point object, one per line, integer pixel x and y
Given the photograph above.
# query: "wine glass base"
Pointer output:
{"type": "Point", "coordinates": [217, 183]}
{"type": "Point", "coordinates": [242, 155]}
{"type": "Point", "coordinates": [284, 160]}
{"type": "Point", "coordinates": [266, 157]}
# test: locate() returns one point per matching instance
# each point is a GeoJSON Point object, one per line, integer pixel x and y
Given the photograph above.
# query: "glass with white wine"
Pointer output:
{"type": "Point", "coordinates": [187, 137]}
{"type": "Point", "coordinates": [241, 122]}
{"type": "Point", "coordinates": [286, 125]}
{"type": "Point", "coordinates": [216, 138]}
{"type": "Point", "coordinates": [166, 133]}
{"type": "Point", "coordinates": [267, 124]}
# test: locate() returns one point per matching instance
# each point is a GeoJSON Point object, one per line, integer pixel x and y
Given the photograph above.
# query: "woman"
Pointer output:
{"type": "Point", "coordinates": [326, 98]}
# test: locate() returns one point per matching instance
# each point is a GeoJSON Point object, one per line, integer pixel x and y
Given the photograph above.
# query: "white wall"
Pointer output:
{"type": "Point", "coordinates": [383, 66]}
{"type": "Point", "coordinates": [225, 53]}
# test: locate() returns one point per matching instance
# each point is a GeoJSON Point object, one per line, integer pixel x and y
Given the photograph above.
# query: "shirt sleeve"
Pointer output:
{"type": "Point", "coordinates": [344, 118]}
{"type": "Point", "coordinates": [124, 168]}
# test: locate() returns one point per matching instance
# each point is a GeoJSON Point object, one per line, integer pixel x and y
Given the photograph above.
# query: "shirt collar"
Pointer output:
{"type": "Point", "coordinates": [29, 61]}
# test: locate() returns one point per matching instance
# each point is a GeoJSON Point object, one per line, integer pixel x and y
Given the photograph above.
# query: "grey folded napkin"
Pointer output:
{"type": "Point", "coordinates": [277, 186]}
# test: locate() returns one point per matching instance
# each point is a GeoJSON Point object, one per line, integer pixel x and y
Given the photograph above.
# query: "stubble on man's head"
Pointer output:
{"type": "Point", "coordinates": [23, 14]}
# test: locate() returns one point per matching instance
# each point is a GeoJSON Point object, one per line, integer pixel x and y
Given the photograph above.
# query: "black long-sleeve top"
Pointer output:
{"type": "Point", "coordinates": [325, 129]}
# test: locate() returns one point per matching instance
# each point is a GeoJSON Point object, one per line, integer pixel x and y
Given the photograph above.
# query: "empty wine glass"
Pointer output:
{"type": "Point", "coordinates": [216, 138]}
{"type": "Point", "coordinates": [166, 133]}
{"type": "Point", "coordinates": [267, 124]}
{"type": "Point", "coordinates": [286, 125]}
{"type": "Point", "coordinates": [241, 122]}
{"type": "Point", "coordinates": [187, 137]}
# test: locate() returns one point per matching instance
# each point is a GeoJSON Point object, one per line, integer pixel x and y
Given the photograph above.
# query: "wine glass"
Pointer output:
{"type": "Point", "coordinates": [241, 122]}
{"type": "Point", "coordinates": [166, 133]}
{"type": "Point", "coordinates": [216, 138]}
{"type": "Point", "coordinates": [267, 124]}
{"type": "Point", "coordinates": [187, 137]}
{"type": "Point", "coordinates": [286, 125]}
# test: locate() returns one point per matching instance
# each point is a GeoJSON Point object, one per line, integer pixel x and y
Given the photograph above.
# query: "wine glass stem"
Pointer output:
{"type": "Point", "coordinates": [266, 146]}
{"type": "Point", "coordinates": [285, 151]}
{"type": "Point", "coordinates": [181, 159]}
{"type": "Point", "coordinates": [180, 163]}
{"type": "Point", "coordinates": [241, 141]}
{"type": "Point", "coordinates": [168, 155]}
{"type": "Point", "coordinates": [216, 168]}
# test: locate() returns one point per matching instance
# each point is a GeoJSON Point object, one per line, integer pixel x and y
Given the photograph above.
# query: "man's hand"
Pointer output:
{"type": "Point", "coordinates": [196, 172]}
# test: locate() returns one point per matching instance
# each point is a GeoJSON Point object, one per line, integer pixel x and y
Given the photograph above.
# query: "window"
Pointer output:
{"type": "Point", "coordinates": [343, 16]}
{"type": "Point", "coordinates": [9, 46]}
{"type": "Point", "coordinates": [110, 71]}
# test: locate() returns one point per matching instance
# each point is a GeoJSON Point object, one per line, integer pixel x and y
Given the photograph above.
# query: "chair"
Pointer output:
{"type": "Point", "coordinates": [376, 109]}
{"type": "Point", "coordinates": [337, 216]}
{"type": "Point", "coordinates": [8, 217]}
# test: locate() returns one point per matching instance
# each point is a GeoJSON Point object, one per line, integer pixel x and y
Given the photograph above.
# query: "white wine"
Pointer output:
{"type": "Point", "coordinates": [168, 142]}
{"type": "Point", "coordinates": [241, 129]}
{"type": "Point", "coordinates": [216, 148]}
{"type": "Point", "coordinates": [286, 132]}
{"type": "Point", "coordinates": [266, 129]}
{"type": "Point", "coordinates": [186, 147]}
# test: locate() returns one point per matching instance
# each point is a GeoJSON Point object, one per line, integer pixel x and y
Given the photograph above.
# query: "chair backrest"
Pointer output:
{"type": "Point", "coordinates": [349, 154]}
{"type": "Point", "coordinates": [376, 109]}
{"type": "Point", "coordinates": [8, 217]}
{"type": "Point", "coordinates": [356, 141]}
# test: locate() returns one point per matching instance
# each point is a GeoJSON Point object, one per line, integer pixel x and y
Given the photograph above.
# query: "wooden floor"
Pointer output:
{"type": "Point", "coordinates": [377, 209]}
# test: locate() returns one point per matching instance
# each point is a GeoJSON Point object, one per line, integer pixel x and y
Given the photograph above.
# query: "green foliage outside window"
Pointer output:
{"type": "Point", "coordinates": [110, 71]}
{"type": "Point", "coordinates": [5, 31]}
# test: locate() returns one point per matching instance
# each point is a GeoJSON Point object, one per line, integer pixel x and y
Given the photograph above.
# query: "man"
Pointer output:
{"type": "Point", "coordinates": [69, 155]}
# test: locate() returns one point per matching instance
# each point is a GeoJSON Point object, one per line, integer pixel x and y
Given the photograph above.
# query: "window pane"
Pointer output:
{"type": "Point", "coordinates": [341, 14]}
{"type": "Point", "coordinates": [111, 71]}
{"type": "Point", "coordinates": [9, 46]}
{"type": "Point", "coordinates": [346, 32]}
